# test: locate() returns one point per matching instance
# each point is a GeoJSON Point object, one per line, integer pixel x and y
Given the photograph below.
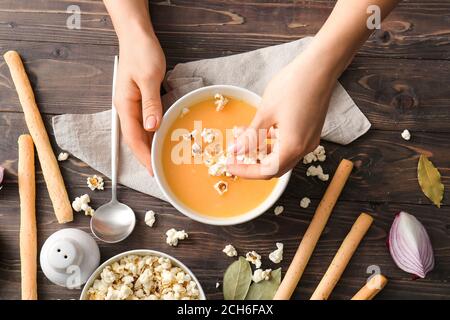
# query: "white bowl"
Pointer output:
{"type": "Point", "coordinates": [141, 252]}
{"type": "Point", "coordinates": [170, 116]}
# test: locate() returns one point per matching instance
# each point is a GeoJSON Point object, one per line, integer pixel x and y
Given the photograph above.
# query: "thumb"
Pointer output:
{"type": "Point", "coordinates": [151, 107]}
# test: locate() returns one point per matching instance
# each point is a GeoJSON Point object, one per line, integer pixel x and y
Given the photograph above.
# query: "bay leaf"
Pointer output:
{"type": "Point", "coordinates": [266, 289]}
{"type": "Point", "coordinates": [236, 280]}
{"type": "Point", "coordinates": [430, 180]}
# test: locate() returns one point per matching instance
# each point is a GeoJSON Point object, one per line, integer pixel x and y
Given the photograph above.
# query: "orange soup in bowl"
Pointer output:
{"type": "Point", "coordinates": [194, 160]}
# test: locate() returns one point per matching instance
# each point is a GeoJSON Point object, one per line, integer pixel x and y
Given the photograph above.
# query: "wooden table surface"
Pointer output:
{"type": "Point", "coordinates": [399, 79]}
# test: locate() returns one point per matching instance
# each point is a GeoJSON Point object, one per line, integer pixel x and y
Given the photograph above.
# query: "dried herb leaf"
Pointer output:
{"type": "Point", "coordinates": [266, 289]}
{"type": "Point", "coordinates": [236, 280]}
{"type": "Point", "coordinates": [430, 180]}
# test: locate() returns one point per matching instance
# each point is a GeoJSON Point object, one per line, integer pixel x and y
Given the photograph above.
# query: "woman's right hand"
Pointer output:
{"type": "Point", "coordinates": [137, 98]}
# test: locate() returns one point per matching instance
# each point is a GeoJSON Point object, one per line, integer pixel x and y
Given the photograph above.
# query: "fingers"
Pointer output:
{"type": "Point", "coordinates": [151, 105]}
{"type": "Point", "coordinates": [135, 136]}
{"type": "Point", "coordinates": [268, 168]}
{"type": "Point", "coordinates": [253, 136]}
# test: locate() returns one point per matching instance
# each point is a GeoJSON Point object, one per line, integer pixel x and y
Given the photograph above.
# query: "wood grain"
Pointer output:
{"type": "Point", "coordinates": [394, 94]}
{"type": "Point", "coordinates": [416, 29]}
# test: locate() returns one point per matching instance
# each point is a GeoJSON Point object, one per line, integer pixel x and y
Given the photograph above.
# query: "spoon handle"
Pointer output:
{"type": "Point", "coordinates": [114, 136]}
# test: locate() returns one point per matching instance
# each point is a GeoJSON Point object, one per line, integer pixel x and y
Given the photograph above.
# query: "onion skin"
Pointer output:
{"type": "Point", "coordinates": [410, 245]}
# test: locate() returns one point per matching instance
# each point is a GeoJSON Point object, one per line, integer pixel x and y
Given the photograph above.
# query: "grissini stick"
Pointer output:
{"type": "Point", "coordinates": [342, 257]}
{"type": "Point", "coordinates": [49, 165]}
{"type": "Point", "coordinates": [371, 288]}
{"type": "Point", "coordinates": [312, 234]}
{"type": "Point", "coordinates": [27, 193]}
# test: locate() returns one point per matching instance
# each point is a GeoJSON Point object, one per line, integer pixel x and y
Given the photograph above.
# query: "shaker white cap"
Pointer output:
{"type": "Point", "coordinates": [68, 257]}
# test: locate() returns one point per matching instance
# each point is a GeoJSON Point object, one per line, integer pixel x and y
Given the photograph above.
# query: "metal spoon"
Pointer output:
{"type": "Point", "coordinates": [114, 221]}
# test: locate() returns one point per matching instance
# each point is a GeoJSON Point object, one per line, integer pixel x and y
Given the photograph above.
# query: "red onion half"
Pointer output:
{"type": "Point", "coordinates": [2, 170]}
{"type": "Point", "coordinates": [410, 245]}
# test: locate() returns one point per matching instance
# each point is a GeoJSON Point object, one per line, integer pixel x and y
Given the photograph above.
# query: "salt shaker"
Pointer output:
{"type": "Point", "coordinates": [69, 257]}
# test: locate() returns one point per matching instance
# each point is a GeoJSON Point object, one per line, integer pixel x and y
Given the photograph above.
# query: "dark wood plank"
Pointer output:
{"type": "Point", "coordinates": [394, 94]}
{"type": "Point", "coordinates": [202, 251]}
{"type": "Point", "coordinates": [386, 165]}
{"type": "Point", "coordinates": [416, 29]}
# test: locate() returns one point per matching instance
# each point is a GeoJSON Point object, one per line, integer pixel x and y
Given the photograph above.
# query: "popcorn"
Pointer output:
{"type": "Point", "coordinates": [150, 218]}
{"type": "Point", "coordinates": [317, 172]}
{"type": "Point", "coordinates": [191, 135]}
{"type": "Point", "coordinates": [230, 250]}
{"type": "Point", "coordinates": [260, 275]}
{"type": "Point", "coordinates": [82, 204]}
{"type": "Point", "coordinates": [208, 135]}
{"type": "Point", "coordinates": [277, 255]}
{"type": "Point", "coordinates": [156, 279]}
{"type": "Point", "coordinates": [278, 210]}
{"type": "Point", "coordinates": [184, 112]}
{"type": "Point", "coordinates": [305, 202]}
{"type": "Point", "coordinates": [63, 156]}
{"type": "Point", "coordinates": [221, 187]}
{"type": "Point", "coordinates": [254, 258]}
{"type": "Point", "coordinates": [196, 149]}
{"type": "Point", "coordinates": [317, 155]}
{"type": "Point", "coordinates": [406, 135]}
{"type": "Point", "coordinates": [95, 182]}
{"type": "Point", "coordinates": [89, 211]}
{"type": "Point", "coordinates": [219, 168]}
{"type": "Point", "coordinates": [173, 236]}
{"type": "Point", "coordinates": [220, 101]}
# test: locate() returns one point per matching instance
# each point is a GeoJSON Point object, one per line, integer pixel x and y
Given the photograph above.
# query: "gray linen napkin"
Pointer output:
{"type": "Point", "coordinates": [87, 136]}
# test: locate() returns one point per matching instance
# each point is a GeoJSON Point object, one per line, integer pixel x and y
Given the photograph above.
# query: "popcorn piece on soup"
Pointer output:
{"type": "Point", "coordinates": [219, 168]}
{"type": "Point", "coordinates": [278, 210]}
{"type": "Point", "coordinates": [173, 236]}
{"type": "Point", "coordinates": [406, 135]}
{"type": "Point", "coordinates": [220, 101]}
{"type": "Point", "coordinates": [230, 250]}
{"type": "Point", "coordinates": [184, 112]}
{"type": "Point", "coordinates": [95, 182]}
{"type": "Point", "coordinates": [150, 218]}
{"type": "Point", "coordinates": [63, 156]}
{"type": "Point", "coordinates": [305, 202]}
{"type": "Point", "coordinates": [221, 187]}
{"type": "Point", "coordinates": [314, 171]}
{"type": "Point", "coordinates": [191, 135]}
{"type": "Point", "coordinates": [317, 155]}
{"type": "Point", "coordinates": [196, 149]}
{"type": "Point", "coordinates": [277, 255]}
{"type": "Point", "coordinates": [260, 275]}
{"type": "Point", "coordinates": [254, 258]}
{"type": "Point", "coordinates": [208, 135]}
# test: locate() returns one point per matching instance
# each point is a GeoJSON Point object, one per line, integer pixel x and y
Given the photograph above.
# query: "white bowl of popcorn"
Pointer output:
{"type": "Point", "coordinates": [142, 275]}
{"type": "Point", "coordinates": [179, 109]}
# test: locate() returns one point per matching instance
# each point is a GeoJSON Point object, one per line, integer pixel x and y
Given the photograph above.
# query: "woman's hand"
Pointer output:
{"type": "Point", "coordinates": [142, 66]}
{"type": "Point", "coordinates": [137, 98]}
{"type": "Point", "coordinates": [292, 112]}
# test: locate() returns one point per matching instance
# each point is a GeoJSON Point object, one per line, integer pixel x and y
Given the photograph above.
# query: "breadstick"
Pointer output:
{"type": "Point", "coordinates": [49, 165]}
{"type": "Point", "coordinates": [371, 288]}
{"type": "Point", "coordinates": [312, 234]}
{"type": "Point", "coordinates": [27, 193]}
{"type": "Point", "coordinates": [342, 257]}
